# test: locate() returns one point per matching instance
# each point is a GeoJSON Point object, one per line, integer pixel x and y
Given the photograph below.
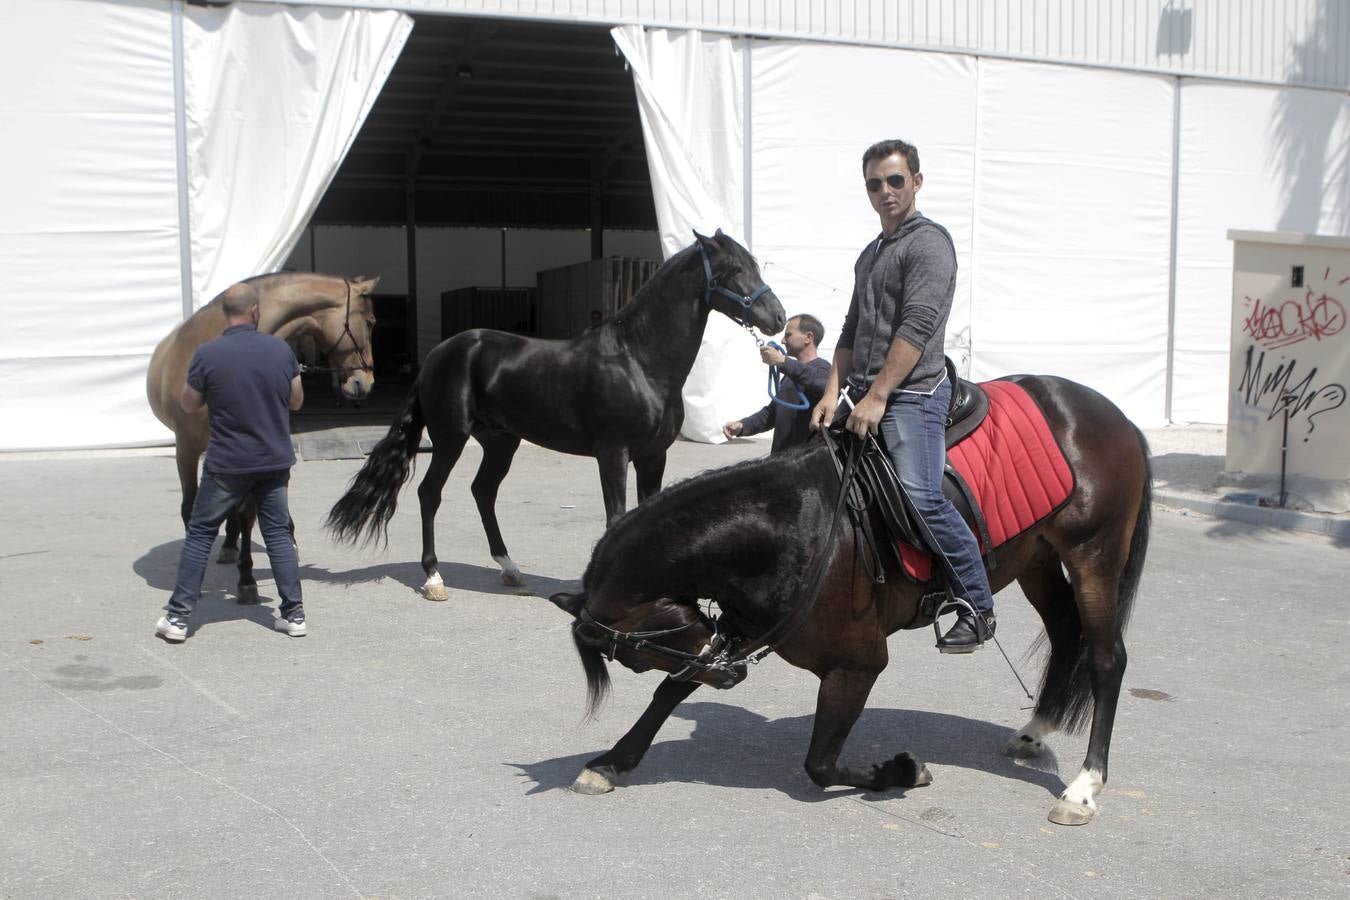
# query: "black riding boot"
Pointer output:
{"type": "Point", "coordinates": [968, 634]}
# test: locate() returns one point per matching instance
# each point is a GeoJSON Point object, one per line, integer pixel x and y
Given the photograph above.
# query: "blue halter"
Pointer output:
{"type": "Point", "coordinates": [745, 300]}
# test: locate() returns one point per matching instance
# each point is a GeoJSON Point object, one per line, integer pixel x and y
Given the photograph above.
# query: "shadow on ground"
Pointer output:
{"type": "Point", "coordinates": [734, 747]}
{"type": "Point", "coordinates": [159, 567]}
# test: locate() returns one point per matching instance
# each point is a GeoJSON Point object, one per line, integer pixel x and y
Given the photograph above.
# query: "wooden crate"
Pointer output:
{"type": "Point", "coordinates": [568, 294]}
{"type": "Point", "coordinates": [512, 309]}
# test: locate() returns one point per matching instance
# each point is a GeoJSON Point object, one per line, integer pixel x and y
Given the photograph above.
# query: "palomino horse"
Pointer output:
{"type": "Point", "coordinates": [612, 392]}
{"type": "Point", "coordinates": [337, 311]}
{"type": "Point", "coordinates": [757, 538]}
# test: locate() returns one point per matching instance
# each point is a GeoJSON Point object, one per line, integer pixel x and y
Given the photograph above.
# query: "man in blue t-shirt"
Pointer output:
{"type": "Point", "coordinates": [248, 381]}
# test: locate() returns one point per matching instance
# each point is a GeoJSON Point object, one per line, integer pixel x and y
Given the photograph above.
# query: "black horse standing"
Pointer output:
{"type": "Point", "coordinates": [753, 537]}
{"type": "Point", "coordinates": [612, 392]}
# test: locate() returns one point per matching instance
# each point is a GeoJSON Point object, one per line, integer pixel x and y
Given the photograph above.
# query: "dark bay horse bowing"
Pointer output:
{"type": "Point", "coordinates": [612, 392]}
{"type": "Point", "coordinates": [753, 536]}
{"type": "Point", "coordinates": [339, 314]}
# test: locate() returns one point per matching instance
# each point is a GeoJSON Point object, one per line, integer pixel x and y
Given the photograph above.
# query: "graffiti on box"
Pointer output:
{"type": "Point", "coordinates": [1279, 382]}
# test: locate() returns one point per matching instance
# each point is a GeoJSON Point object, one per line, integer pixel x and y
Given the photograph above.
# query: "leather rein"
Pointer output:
{"type": "Point", "coordinates": [724, 655]}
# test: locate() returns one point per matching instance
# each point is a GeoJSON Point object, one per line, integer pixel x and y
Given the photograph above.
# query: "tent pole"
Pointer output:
{"type": "Point", "coordinates": [1172, 252]}
{"type": "Point", "coordinates": [747, 150]}
{"type": "Point", "coordinates": [180, 138]}
{"type": "Point", "coordinates": [410, 304]}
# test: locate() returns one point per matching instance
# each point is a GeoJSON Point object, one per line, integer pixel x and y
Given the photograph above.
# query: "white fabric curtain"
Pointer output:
{"type": "Point", "coordinates": [811, 122]}
{"type": "Point", "coordinates": [275, 97]}
{"type": "Point", "coordinates": [89, 236]}
{"type": "Point", "coordinates": [90, 243]}
{"type": "Point", "coordinates": [690, 89]}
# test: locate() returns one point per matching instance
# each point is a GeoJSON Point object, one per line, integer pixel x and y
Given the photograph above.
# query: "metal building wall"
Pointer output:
{"type": "Point", "coordinates": [1301, 42]}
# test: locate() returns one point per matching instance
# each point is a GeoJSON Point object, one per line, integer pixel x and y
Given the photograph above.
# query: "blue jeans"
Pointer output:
{"type": "Point", "coordinates": [217, 496]}
{"type": "Point", "coordinates": [913, 430]}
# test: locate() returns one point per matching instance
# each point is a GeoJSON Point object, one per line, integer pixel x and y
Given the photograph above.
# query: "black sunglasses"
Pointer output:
{"type": "Point", "coordinates": [874, 184]}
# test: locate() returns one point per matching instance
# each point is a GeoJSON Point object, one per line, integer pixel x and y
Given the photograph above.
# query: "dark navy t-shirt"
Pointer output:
{"type": "Point", "coordinates": [245, 377]}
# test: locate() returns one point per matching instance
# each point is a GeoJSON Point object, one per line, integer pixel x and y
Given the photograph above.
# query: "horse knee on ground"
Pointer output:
{"type": "Point", "coordinates": [1078, 804]}
{"type": "Point", "coordinates": [901, 770]}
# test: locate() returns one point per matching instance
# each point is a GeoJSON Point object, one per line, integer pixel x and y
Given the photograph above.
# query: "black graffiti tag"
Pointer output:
{"type": "Point", "coordinates": [1282, 392]}
{"type": "Point", "coordinates": [1314, 316]}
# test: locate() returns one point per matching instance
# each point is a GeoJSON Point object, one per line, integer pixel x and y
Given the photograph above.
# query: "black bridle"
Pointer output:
{"type": "Point", "coordinates": [367, 365]}
{"type": "Point", "coordinates": [726, 656]}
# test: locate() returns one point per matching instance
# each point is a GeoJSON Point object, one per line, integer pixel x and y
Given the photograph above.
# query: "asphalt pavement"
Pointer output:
{"type": "Point", "coordinates": [415, 749]}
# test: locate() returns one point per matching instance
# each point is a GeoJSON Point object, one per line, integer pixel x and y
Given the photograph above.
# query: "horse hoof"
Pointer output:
{"type": "Point", "coordinates": [246, 594]}
{"type": "Point", "coordinates": [437, 592]}
{"type": "Point", "coordinates": [924, 778]}
{"type": "Point", "coordinates": [1066, 813]}
{"type": "Point", "coordinates": [227, 555]}
{"type": "Point", "coordinates": [591, 782]}
{"type": "Point", "coordinates": [513, 579]}
{"type": "Point", "coordinates": [1023, 747]}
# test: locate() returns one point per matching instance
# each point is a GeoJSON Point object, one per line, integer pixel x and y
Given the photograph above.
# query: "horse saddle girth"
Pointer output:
{"type": "Point", "coordinates": [1001, 456]}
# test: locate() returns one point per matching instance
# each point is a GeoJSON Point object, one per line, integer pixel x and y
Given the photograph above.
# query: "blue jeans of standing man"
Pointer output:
{"type": "Point", "coordinates": [913, 429]}
{"type": "Point", "coordinates": [217, 496]}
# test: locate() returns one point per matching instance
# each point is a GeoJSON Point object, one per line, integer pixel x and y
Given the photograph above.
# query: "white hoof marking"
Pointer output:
{"type": "Point", "coordinates": [592, 782]}
{"type": "Point", "coordinates": [511, 575]}
{"type": "Point", "coordinates": [1029, 742]}
{"type": "Point", "coordinates": [435, 588]}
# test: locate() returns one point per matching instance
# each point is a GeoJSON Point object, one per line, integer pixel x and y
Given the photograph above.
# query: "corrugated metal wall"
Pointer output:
{"type": "Point", "coordinates": [1303, 42]}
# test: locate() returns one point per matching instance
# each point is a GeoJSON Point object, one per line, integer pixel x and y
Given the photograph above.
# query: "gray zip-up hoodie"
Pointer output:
{"type": "Point", "coordinates": [903, 287]}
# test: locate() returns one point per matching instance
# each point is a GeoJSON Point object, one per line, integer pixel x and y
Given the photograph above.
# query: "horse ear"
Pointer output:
{"type": "Point", "coordinates": [569, 603]}
{"type": "Point", "coordinates": [719, 234]}
{"type": "Point", "coordinates": [366, 285]}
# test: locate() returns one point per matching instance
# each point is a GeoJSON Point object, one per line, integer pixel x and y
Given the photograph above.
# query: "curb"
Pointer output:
{"type": "Point", "coordinates": [1337, 527]}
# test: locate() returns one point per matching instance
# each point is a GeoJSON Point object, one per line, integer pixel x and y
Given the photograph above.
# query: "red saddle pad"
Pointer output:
{"type": "Point", "coordinates": [1014, 467]}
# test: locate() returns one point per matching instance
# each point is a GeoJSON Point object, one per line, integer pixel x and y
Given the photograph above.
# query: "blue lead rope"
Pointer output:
{"type": "Point", "coordinates": [776, 381]}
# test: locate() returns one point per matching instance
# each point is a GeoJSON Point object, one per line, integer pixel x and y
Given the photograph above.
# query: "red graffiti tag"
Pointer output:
{"type": "Point", "coordinates": [1316, 316]}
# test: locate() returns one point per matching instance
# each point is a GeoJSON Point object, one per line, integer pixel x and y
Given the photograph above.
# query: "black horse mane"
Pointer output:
{"type": "Point", "coordinates": [712, 493]}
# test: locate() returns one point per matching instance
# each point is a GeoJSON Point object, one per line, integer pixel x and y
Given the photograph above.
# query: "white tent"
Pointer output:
{"type": "Point", "coordinates": [166, 152]}
{"type": "Point", "coordinates": [1062, 186]}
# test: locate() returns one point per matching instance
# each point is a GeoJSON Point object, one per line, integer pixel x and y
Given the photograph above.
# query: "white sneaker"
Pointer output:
{"type": "Point", "coordinates": [294, 624]}
{"type": "Point", "coordinates": [172, 628]}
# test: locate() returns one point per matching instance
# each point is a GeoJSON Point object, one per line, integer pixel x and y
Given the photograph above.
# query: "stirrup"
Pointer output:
{"type": "Point", "coordinates": [954, 604]}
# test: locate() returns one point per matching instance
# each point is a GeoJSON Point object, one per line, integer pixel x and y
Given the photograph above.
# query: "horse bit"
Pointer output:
{"type": "Point", "coordinates": [726, 656]}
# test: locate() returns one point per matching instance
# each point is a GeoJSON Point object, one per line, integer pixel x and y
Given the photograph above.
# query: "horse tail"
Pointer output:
{"type": "Point", "coordinates": [597, 675]}
{"type": "Point", "coordinates": [1074, 708]}
{"type": "Point", "coordinates": [1128, 585]}
{"type": "Point", "coordinates": [372, 496]}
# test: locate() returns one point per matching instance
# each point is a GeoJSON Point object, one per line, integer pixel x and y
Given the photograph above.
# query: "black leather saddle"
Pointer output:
{"type": "Point", "coordinates": [875, 484]}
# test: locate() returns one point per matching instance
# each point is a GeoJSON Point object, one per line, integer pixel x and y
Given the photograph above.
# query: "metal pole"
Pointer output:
{"type": "Point", "coordinates": [180, 137]}
{"type": "Point", "coordinates": [1284, 455]}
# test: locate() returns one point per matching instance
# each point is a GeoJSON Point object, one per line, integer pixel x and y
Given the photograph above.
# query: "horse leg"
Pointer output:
{"type": "Point", "coordinates": [1095, 570]}
{"type": "Point", "coordinates": [842, 696]}
{"type": "Point", "coordinates": [1051, 595]}
{"type": "Point", "coordinates": [602, 773]}
{"type": "Point", "coordinates": [229, 548]}
{"type": "Point", "coordinates": [499, 449]}
{"type": "Point", "coordinates": [650, 470]}
{"type": "Point", "coordinates": [445, 453]}
{"type": "Point", "coordinates": [613, 482]}
{"type": "Point", "coordinates": [186, 457]}
{"type": "Point", "coordinates": [243, 517]}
